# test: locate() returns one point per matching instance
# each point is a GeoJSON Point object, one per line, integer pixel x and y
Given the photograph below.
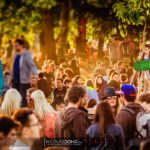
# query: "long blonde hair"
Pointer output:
{"type": "Point", "coordinates": [12, 101]}
{"type": "Point", "coordinates": [41, 105]}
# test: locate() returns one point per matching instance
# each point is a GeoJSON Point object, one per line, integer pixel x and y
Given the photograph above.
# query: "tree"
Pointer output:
{"type": "Point", "coordinates": [16, 19]}
{"type": "Point", "coordinates": [44, 8]}
{"type": "Point", "coordinates": [101, 21]}
{"type": "Point", "coordinates": [134, 12]}
{"type": "Point", "coordinates": [49, 42]}
{"type": "Point", "coordinates": [24, 17]}
{"type": "Point", "coordinates": [62, 39]}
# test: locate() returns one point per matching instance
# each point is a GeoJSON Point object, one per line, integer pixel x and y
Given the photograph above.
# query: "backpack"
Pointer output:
{"type": "Point", "coordinates": [143, 127]}
{"type": "Point", "coordinates": [134, 143]}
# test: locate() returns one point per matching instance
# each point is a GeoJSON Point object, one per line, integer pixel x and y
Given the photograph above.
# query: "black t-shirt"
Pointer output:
{"type": "Point", "coordinates": [62, 93]}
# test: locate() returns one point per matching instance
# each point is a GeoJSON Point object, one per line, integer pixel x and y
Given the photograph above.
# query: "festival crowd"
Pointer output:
{"type": "Point", "coordinates": [64, 101]}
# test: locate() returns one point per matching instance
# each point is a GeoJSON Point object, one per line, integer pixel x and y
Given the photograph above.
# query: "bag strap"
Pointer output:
{"type": "Point", "coordinates": [129, 110]}
{"type": "Point", "coordinates": [147, 127]}
{"type": "Point", "coordinates": [133, 114]}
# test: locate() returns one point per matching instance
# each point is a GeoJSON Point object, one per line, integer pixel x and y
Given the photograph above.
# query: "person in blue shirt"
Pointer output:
{"type": "Point", "coordinates": [22, 70]}
{"type": "Point", "coordinates": [92, 93]}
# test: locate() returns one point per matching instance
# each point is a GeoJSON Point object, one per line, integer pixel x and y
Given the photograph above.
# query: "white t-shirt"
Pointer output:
{"type": "Point", "coordinates": [19, 146]}
{"type": "Point", "coordinates": [141, 120]}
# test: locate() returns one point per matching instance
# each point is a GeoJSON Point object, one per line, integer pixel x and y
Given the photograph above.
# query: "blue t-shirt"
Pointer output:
{"type": "Point", "coordinates": [16, 72]}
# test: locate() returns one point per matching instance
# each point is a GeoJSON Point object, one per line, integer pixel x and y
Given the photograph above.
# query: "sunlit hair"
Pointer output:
{"type": "Point", "coordinates": [144, 98]}
{"type": "Point", "coordinates": [110, 72]}
{"type": "Point", "coordinates": [41, 105]}
{"type": "Point", "coordinates": [104, 117]}
{"type": "Point", "coordinates": [69, 73]}
{"type": "Point", "coordinates": [12, 101]}
{"type": "Point", "coordinates": [116, 107]}
{"type": "Point", "coordinates": [119, 63]}
{"type": "Point", "coordinates": [89, 83]}
{"type": "Point", "coordinates": [75, 81]}
{"type": "Point", "coordinates": [123, 78]}
{"type": "Point", "coordinates": [58, 73]}
{"type": "Point", "coordinates": [113, 74]}
{"type": "Point", "coordinates": [97, 85]}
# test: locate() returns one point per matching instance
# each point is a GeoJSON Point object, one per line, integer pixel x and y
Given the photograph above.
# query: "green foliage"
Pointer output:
{"type": "Point", "coordinates": [48, 4]}
{"type": "Point", "coordinates": [2, 4]}
{"type": "Point", "coordinates": [22, 17]}
{"type": "Point", "coordinates": [100, 19]}
{"type": "Point", "coordinates": [100, 3]}
{"type": "Point", "coordinates": [132, 12]}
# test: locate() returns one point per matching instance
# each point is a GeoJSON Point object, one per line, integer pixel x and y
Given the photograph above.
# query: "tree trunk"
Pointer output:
{"type": "Point", "coordinates": [42, 45]}
{"type": "Point", "coordinates": [100, 48]}
{"type": "Point", "coordinates": [144, 36]}
{"type": "Point", "coordinates": [62, 41]}
{"type": "Point", "coordinates": [81, 39]}
{"type": "Point", "coordinates": [49, 46]}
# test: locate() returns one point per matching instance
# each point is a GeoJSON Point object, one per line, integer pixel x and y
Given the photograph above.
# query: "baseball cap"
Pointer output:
{"type": "Point", "coordinates": [128, 90]}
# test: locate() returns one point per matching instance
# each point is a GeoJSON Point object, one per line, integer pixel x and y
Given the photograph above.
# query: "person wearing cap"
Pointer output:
{"type": "Point", "coordinates": [124, 117]}
{"type": "Point", "coordinates": [112, 98]}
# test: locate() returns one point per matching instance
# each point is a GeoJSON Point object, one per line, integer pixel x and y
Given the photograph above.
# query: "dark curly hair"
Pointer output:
{"type": "Point", "coordinates": [75, 93]}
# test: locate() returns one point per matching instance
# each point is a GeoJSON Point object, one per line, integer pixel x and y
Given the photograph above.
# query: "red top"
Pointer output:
{"type": "Point", "coordinates": [48, 125]}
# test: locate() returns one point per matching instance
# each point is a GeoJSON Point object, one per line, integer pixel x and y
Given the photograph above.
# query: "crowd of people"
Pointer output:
{"type": "Point", "coordinates": [63, 101]}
